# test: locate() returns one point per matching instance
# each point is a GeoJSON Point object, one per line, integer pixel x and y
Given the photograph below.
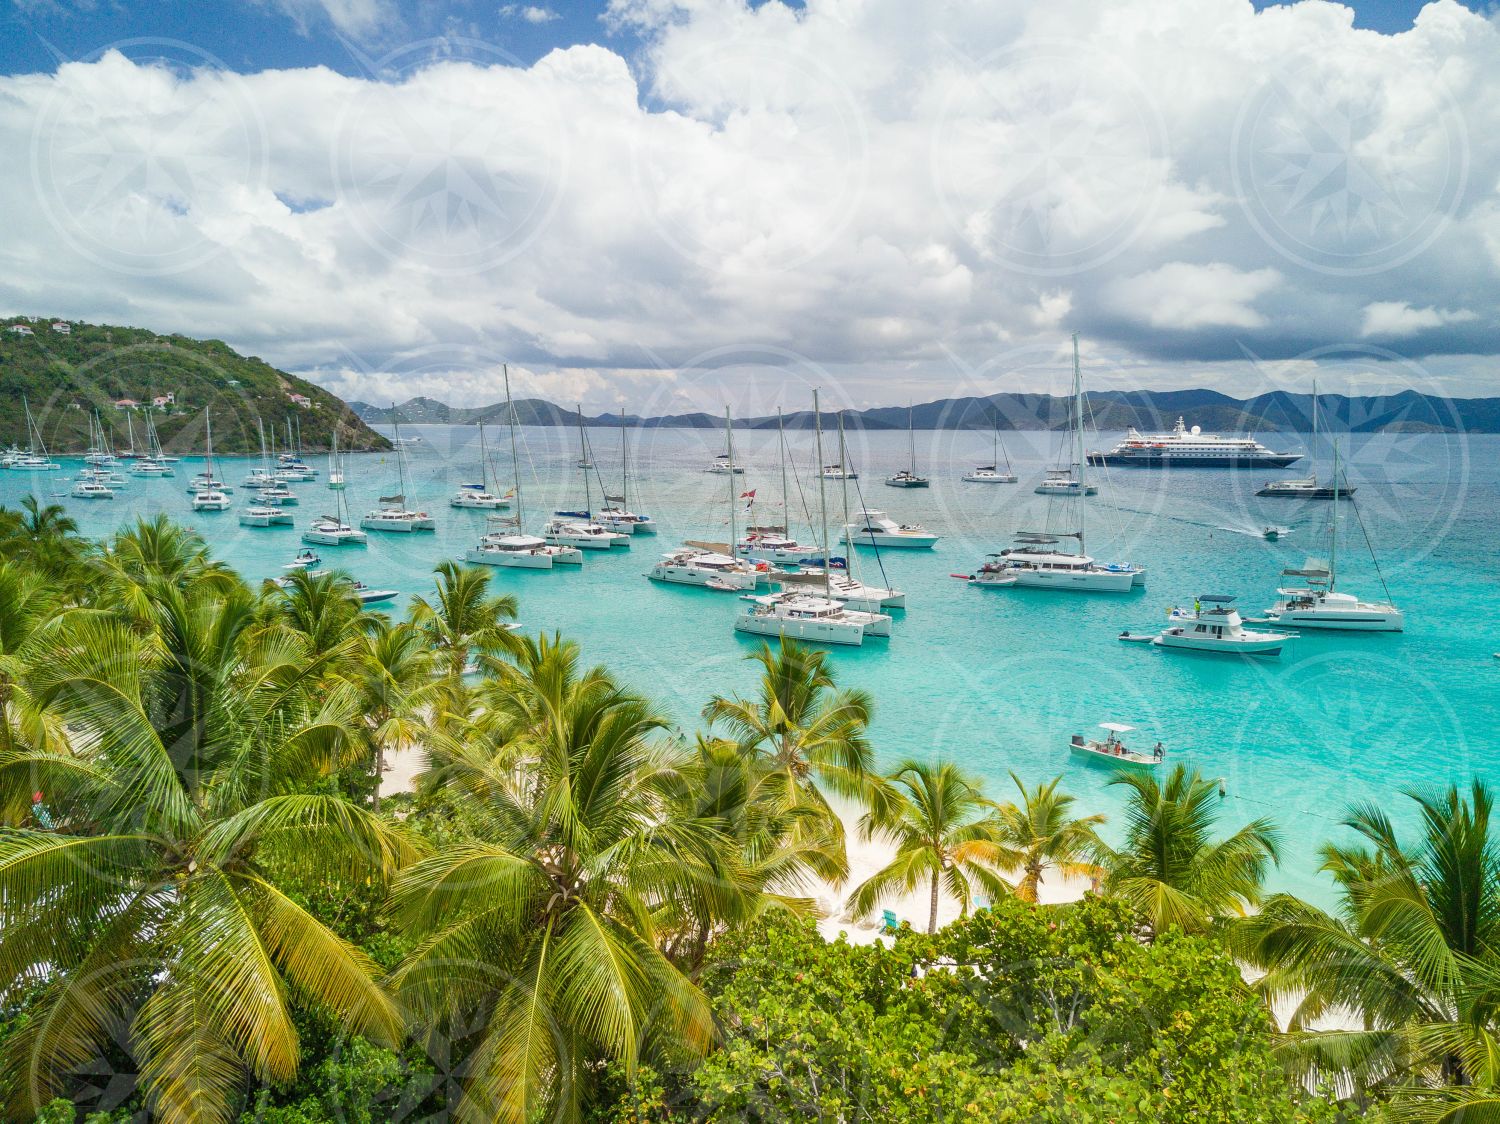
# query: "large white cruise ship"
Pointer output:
{"type": "Point", "coordinates": [1191, 448]}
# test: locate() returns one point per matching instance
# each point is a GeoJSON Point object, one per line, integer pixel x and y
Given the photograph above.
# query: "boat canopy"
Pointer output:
{"type": "Point", "coordinates": [1310, 574]}
{"type": "Point", "coordinates": [1116, 727]}
{"type": "Point", "coordinates": [1215, 598]}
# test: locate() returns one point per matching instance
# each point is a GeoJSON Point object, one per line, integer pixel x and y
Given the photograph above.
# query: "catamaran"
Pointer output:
{"type": "Point", "coordinates": [153, 464]}
{"type": "Point", "coordinates": [1315, 601]}
{"type": "Point", "coordinates": [990, 473]}
{"type": "Point", "coordinates": [845, 585]}
{"type": "Point", "coordinates": [1038, 561]}
{"type": "Point", "coordinates": [88, 489]}
{"type": "Point", "coordinates": [208, 493]}
{"type": "Point", "coordinates": [616, 514]}
{"type": "Point", "coordinates": [505, 544]}
{"type": "Point", "coordinates": [579, 528]}
{"type": "Point", "coordinates": [1068, 479]}
{"type": "Point", "coordinates": [478, 495]}
{"type": "Point", "coordinates": [393, 514]}
{"type": "Point", "coordinates": [906, 477]}
{"type": "Point", "coordinates": [335, 466]}
{"type": "Point", "coordinates": [1307, 487]}
{"type": "Point", "coordinates": [690, 565]}
{"type": "Point", "coordinates": [801, 616]}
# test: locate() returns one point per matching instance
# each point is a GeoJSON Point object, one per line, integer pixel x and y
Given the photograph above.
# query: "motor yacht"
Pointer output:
{"type": "Point", "coordinates": [370, 596]}
{"type": "Point", "coordinates": [1303, 488]}
{"type": "Point", "coordinates": [1111, 750]}
{"type": "Point", "coordinates": [89, 489]}
{"type": "Point", "coordinates": [1214, 625]}
{"type": "Point", "coordinates": [585, 536]}
{"type": "Point", "coordinates": [723, 466]}
{"type": "Point", "coordinates": [875, 528]}
{"type": "Point", "coordinates": [773, 545]}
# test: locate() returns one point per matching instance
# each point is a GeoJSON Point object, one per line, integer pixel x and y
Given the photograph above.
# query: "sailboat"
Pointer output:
{"type": "Point", "coordinates": [772, 541]}
{"type": "Point", "coordinates": [290, 467]}
{"type": "Point", "coordinates": [906, 477]}
{"type": "Point", "coordinates": [98, 453]}
{"type": "Point", "coordinates": [1307, 487]}
{"type": "Point", "coordinates": [1068, 479]}
{"type": "Point", "coordinates": [578, 528]}
{"type": "Point", "coordinates": [802, 616]}
{"type": "Point", "coordinates": [505, 544]}
{"type": "Point", "coordinates": [616, 515]}
{"type": "Point", "coordinates": [208, 493]}
{"type": "Point", "coordinates": [846, 586]}
{"type": "Point", "coordinates": [35, 459]}
{"type": "Point", "coordinates": [478, 495]}
{"type": "Point", "coordinates": [1316, 601]}
{"type": "Point", "coordinates": [393, 514]}
{"type": "Point", "coordinates": [260, 477]}
{"type": "Point", "coordinates": [694, 565]}
{"type": "Point", "coordinates": [100, 466]}
{"type": "Point", "coordinates": [990, 473]}
{"type": "Point", "coordinates": [1038, 559]}
{"type": "Point", "coordinates": [335, 466]}
{"type": "Point", "coordinates": [153, 463]}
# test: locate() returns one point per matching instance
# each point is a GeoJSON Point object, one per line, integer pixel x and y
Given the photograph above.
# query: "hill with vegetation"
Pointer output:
{"type": "Point", "coordinates": [68, 370]}
{"type": "Point", "coordinates": [1146, 410]}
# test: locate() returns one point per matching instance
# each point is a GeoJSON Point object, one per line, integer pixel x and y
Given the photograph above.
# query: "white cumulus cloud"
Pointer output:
{"type": "Point", "coordinates": [1397, 318]}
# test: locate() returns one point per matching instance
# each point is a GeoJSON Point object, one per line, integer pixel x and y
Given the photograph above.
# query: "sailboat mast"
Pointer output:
{"type": "Point", "coordinates": [911, 436]}
{"type": "Point", "coordinates": [1333, 524]}
{"type": "Point", "coordinates": [844, 489]}
{"type": "Point", "coordinates": [515, 459]}
{"type": "Point", "coordinates": [734, 499]}
{"type": "Point", "coordinates": [583, 461]}
{"type": "Point", "coordinates": [786, 497]}
{"type": "Point", "coordinates": [400, 451]}
{"type": "Point", "coordinates": [625, 465]}
{"type": "Point", "coordinates": [1078, 457]}
{"type": "Point", "coordinates": [484, 460]}
{"type": "Point", "coordinates": [822, 492]}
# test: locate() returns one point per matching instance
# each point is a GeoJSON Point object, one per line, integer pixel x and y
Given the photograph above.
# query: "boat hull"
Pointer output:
{"type": "Point", "coordinates": [1192, 460]}
{"type": "Point", "coordinates": [397, 526]}
{"type": "Point", "coordinates": [1341, 622]}
{"type": "Point", "coordinates": [876, 538]}
{"type": "Point", "coordinates": [811, 631]}
{"type": "Point", "coordinates": [1090, 582]}
{"type": "Point", "coordinates": [694, 575]}
{"type": "Point", "coordinates": [1135, 762]}
{"type": "Point", "coordinates": [493, 503]}
{"type": "Point", "coordinates": [511, 559]}
{"type": "Point", "coordinates": [247, 520]}
{"type": "Point", "coordinates": [1270, 646]}
{"type": "Point", "coordinates": [1318, 493]}
{"type": "Point", "coordinates": [323, 538]}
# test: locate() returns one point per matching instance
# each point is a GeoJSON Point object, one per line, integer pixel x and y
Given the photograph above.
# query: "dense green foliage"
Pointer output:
{"type": "Point", "coordinates": [212, 908]}
{"type": "Point", "coordinates": [66, 377]}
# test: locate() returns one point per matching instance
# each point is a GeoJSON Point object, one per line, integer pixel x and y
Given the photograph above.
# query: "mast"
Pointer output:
{"type": "Point", "coordinates": [733, 497]}
{"type": "Point", "coordinates": [844, 489]}
{"type": "Point", "coordinates": [1078, 457]}
{"type": "Point", "coordinates": [400, 452]}
{"type": "Point", "coordinates": [625, 465]}
{"type": "Point", "coordinates": [208, 468]}
{"type": "Point", "coordinates": [484, 460]}
{"type": "Point", "coordinates": [786, 497]}
{"type": "Point", "coordinates": [1314, 442]}
{"type": "Point", "coordinates": [1333, 524]}
{"type": "Point", "coordinates": [583, 463]}
{"type": "Point", "coordinates": [265, 464]}
{"type": "Point", "coordinates": [130, 431]}
{"type": "Point", "coordinates": [515, 460]}
{"type": "Point", "coordinates": [911, 437]}
{"type": "Point", "coordinates": [822, 492]}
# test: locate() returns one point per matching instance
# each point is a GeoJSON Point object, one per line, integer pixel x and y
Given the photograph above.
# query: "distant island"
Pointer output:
{"type": "Point", "coordinates": [67, 370]}
{"type": "Point", "coordinates": [1146, 410]}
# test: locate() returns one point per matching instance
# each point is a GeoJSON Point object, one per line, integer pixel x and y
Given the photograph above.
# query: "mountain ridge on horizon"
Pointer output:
{"type": "Point", "coordinates": [1406, 411]}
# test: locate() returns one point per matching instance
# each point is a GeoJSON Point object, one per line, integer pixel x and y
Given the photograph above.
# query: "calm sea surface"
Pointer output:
{"type": "Point", "coordinates": [998, 679]}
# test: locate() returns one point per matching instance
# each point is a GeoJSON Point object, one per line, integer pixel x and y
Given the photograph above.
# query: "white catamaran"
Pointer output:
{"type": "Point", "coordinates": [393, 514]}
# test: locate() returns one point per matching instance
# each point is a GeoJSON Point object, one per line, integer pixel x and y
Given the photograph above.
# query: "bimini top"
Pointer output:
{"type": "Point", "coordinates": [1214, 599]}
{"type": "Point", "coordinates": [1116, 727]}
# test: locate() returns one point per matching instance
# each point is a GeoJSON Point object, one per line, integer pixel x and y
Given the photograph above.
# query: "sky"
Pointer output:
{"type": "Point", "coordinates": [665, 205]}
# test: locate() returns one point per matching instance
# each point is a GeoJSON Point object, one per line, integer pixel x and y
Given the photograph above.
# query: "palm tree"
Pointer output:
{"type": "Point", "coordinates": [323, 610]}
{"type": "Point", "coordinates": [1170, 868]}
{"type": "Point", "coordinates": [153, 910]}
{"type": "Point", "coordinates": [543, 928]}
{"type": "Point", "coordinates": [1413, 950]}
{"type": "Point", "coordinates": [467, 621]}
{"type": "Point", "coordinates": [806, 733]}
{"type": "Point", "coordinates": [1039, 833]}
{"type": "Point", "coordinates": [33, 739]}
{"type": "Point", "coordinates": [46, 536]}
{"type": "Point", "coordinates": [395, 684]}
{"type": "Point", "coordinates": [945, 832]}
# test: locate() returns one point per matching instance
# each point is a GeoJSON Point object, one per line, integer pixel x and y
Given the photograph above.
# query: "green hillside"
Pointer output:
{"type": "Point", "coordinates": [66, 376]}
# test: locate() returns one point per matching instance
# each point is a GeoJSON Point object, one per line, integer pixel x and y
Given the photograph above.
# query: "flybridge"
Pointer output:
{"type": "Point", "coordinates": [1191, 448]}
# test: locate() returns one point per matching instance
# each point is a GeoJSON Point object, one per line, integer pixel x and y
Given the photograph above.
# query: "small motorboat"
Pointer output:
{"type": "Point", "coordinates": [368, 596]}
{"type": "Point", "coordinates": [1271, 534]}
{"type": "Point", "coordinates": [305, 560]}
{"type": "Point", "coordinates": [1112, 751]}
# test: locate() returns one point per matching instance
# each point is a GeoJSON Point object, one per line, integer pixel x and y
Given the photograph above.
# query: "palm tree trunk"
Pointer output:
{"type": "Point", "coordinates": [379, 774]}
{"type": "Point", "coordinates": [932, 910]}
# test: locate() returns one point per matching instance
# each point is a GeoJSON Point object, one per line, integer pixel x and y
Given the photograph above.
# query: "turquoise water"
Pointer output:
{"type": "Point", "coordinates": [998, 679]}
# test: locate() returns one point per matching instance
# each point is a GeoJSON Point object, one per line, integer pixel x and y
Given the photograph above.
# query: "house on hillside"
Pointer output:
{"type": "Point", "coordinates": [127, 404]}
{"type": "Point", "coordinates": [19, 330]}
{"type": "Point", "coordinates": [301, 400]}
{"type": "Point", "coordinates": [162, 401]}
{"type": "Point", "coordinates": [62, 327]}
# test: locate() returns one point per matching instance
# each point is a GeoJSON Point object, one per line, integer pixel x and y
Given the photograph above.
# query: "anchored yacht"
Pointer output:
{"type": "Point", "coordinates": [1214, 625]}
{"type": "Point", "coordinates": [875, 528]}
{"type": "Point", "coordinates": [693, 566]}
